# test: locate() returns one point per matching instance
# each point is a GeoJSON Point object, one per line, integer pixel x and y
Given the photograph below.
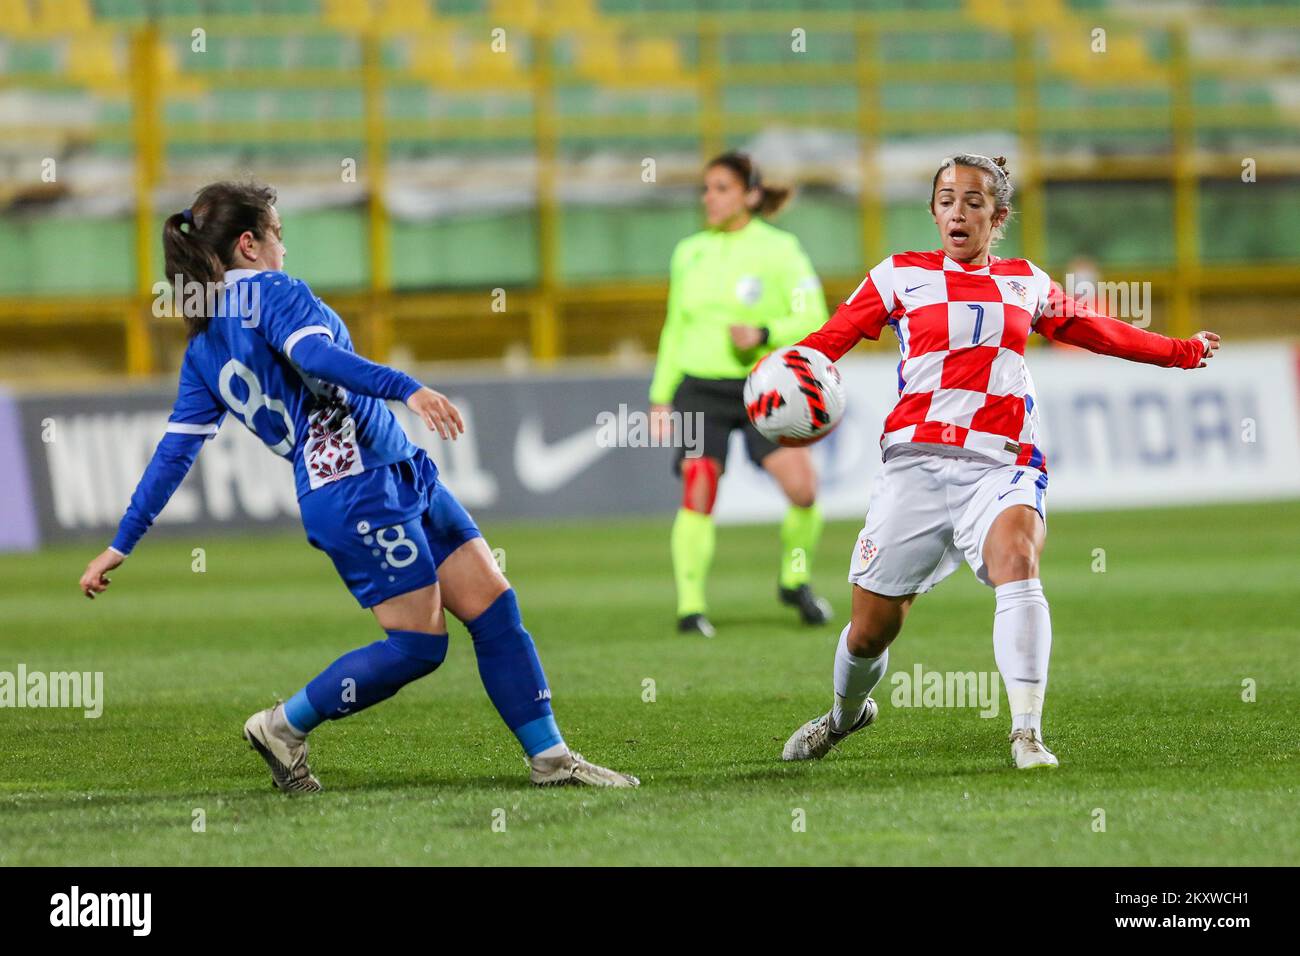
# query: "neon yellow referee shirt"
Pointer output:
{"type": "Point", "coordinates": [757, 275]}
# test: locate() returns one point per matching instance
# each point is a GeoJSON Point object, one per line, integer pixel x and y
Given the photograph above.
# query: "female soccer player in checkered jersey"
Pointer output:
{"type": "Point", "coordinates": [963, 475]}
{"type": "Point", "coordinates": [264, 348]}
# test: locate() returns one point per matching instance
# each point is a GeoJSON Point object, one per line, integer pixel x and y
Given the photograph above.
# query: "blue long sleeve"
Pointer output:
{"type": "Point", "coordinates": [196, 417]}
{"type": "Point", "coordinates": [317, 355]}
{"type": "Point", "coordinates": [171, 462]}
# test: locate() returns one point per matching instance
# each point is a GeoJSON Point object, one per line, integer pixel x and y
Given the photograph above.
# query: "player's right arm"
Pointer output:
{"type": "Point", "coordinates": [862, 316]}
{"type": "Point", "coordinates": [195, 418]}
{"type": "Point", "coordinates": [294, 324]}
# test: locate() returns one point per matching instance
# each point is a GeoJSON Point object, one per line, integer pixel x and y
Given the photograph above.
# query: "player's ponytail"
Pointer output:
{"type": "Point", "coordinates": [770, 198]}
{"type": "Point", "coordinates": [199, 243]}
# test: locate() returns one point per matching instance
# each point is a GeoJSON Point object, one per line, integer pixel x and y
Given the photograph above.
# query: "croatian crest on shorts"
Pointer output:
{"type": "Point", "coordinates": [867, 550]}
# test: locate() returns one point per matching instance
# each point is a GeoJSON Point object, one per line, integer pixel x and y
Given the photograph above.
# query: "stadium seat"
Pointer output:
{"type": "Point", "coordinates": [398, 15]}
{"type": "Point", "coordinates": [16, 15]}
{"type": "Point", "coordinates": [346, 14]}
{"type": "Point", "coordinates": [94, 58]}
{"type": "Point", "coordinates": [63, 15]}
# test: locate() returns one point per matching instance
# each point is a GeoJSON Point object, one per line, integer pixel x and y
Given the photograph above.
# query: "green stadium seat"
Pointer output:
{"type": "Point", "coordinates": [33, 56]}
{"type": "Point", "coordinates": [121, 11]}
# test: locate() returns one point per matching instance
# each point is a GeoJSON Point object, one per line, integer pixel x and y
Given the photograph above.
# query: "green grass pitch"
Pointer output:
{"type": "Point", "coordinates": [1145, 710]}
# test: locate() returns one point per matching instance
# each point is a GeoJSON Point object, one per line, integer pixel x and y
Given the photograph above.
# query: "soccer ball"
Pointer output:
{"type": "Point", "coordinates": [794, 396]}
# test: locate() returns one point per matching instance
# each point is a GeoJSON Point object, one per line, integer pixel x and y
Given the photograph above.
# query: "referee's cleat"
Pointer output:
{"type": "Point", "coordinates": [569, 769]}
{"type": "Point", "coordinates": [815, 739]}
{"type": "Point", "coordinates": [695, 624]}
{"type": "Point", "coordinates": [284, 752]}
{"type": "Point", "coordinates": [1029, 752]}
{"type": "Point", "coordinates": [812, 609]}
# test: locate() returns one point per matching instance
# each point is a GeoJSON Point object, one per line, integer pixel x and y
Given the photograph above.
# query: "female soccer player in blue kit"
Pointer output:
{"type": "Point", "coordinates": [263, 347]}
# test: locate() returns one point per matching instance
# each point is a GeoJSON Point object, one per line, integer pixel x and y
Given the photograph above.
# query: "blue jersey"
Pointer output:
{"type": "Point", "coordinates": [244, 363]}
{"type": "Point", "coordinates": [282, 362]}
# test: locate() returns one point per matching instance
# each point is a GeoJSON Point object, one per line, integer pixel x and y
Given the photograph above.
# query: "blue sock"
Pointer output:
{"type": "Point", "coordinates": [512, 675]}
{"type": "Point", "coordinates": [365, 676]}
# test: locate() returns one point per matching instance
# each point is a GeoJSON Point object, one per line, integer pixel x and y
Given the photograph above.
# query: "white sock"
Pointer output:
{"type": "Point", "coordinates": [555, 750]}
{"type": "Point", "coordinates": [855, 677]}
{"type": "Point", "coordinates": [1022, 644]}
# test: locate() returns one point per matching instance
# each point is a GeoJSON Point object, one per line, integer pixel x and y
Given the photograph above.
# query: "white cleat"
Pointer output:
{"type": "Point", "coordinates": [1029, 751]}
{"type": "Point", "coordinates": [569, 769]}
{"type": "Point", "coordinates": [284, 752]}
{"type": "Point", "coordinates": [815, 739]}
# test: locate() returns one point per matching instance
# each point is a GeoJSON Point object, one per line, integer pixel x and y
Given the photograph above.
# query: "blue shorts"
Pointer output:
{"type": "Point", "coordinates": [387, 530]}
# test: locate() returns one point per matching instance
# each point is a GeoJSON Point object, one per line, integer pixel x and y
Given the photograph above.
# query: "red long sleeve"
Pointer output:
{"type": "Point", "coordinates": [862, 316]}
{"type": "Point", "coordinates": [1071, 322]}
{"type": "Point", "coordinates": [835, 338]}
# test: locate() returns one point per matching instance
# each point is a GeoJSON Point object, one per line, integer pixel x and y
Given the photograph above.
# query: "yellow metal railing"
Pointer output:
{"type": "Point", "coordinates": [149, 147]}
{"type": "Point", "coordinates": [1183, 168]}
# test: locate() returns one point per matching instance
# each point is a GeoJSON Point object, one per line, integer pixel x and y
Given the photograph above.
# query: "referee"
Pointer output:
{"type": "Point", "coordinates": [739, 289]}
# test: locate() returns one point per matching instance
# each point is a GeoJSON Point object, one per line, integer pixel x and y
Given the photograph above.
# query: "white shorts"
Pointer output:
{"type": "Point", "coordinates": [928, 511]}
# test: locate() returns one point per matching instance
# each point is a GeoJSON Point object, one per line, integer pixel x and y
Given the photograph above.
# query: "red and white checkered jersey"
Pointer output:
{"type": "Point", "coordinates": [961, 330]}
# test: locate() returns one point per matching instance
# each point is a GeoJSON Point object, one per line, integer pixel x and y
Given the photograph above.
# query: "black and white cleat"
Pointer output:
{"type": "Point", "coordinates": [695, 624]}
{"type": "Point", "coordinates": [285, 753]}
{"type": "Point", "coordinates": [812, 609]}
{"type": "Point", "coordinates": [816, 739]}
{"type": "Point", "coordinates": [569, 769]}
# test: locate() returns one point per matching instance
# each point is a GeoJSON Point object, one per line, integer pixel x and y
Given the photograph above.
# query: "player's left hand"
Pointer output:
{"type": "Point", "coordinates": [94, 581]}
{"type": "Point", "coordinates": [746, 337]}
{"type": "Point", "coordinates": [1210, 341]}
